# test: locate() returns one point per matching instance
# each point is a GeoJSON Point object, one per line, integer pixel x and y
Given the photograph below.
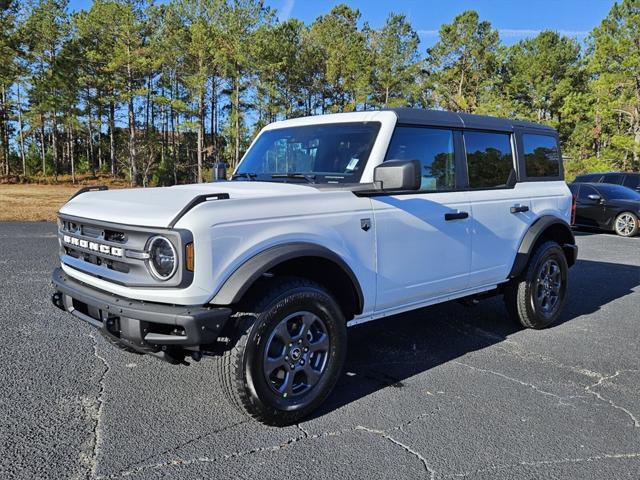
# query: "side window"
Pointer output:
{"type": "Point", "coordinates": [489, 159]}
{"type": "Point", "coordinates": [541, 155]}
{"type": "Point", "coordinates": [632, 181]}
{"type": "Point", "coordinates": [574, 189]}
{"type": "Point", "coordinates": [585, 191]}
{"type": "Point", "coordinates": [433, 147]}
{"type": "Point", "coordinates": [615, 178]}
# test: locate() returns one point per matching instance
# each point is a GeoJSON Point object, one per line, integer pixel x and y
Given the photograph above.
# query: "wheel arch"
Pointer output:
{"type": "Point", "coordinates": [545, 228]}
{"type": "Point", "coordinates": [302, 259]}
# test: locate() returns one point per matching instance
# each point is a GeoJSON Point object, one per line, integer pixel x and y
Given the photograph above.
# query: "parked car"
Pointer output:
{"type": "Point", "coordinates": [626, 179]}
{"type": "Point", "coordinates": [607, 207]}
{"type": "Point", "coordinates": [329, 221]}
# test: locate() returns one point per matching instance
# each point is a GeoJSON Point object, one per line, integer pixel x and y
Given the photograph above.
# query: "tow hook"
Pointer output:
{"type": "Point", "coordinates": [56, 299]}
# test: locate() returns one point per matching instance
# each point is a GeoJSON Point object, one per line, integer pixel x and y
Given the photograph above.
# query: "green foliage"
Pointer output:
{"type": "Point", "coordinates": [462, 63]}
{"type": "Point", "coordinates": [156, 91]}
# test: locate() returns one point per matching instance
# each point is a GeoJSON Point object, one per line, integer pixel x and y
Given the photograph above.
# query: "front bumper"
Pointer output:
{"type": "Point", "coordinates": [164, 330]}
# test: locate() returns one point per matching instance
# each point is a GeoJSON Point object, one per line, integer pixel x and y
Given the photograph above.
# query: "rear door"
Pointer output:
{"type": "Point", "coordinates": [423, 238]}
{"type": "Point", "coordinates": [501, 213]}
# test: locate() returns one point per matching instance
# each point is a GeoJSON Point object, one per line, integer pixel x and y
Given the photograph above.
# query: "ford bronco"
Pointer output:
{"type": "Point", "coordinates": [327, 222]}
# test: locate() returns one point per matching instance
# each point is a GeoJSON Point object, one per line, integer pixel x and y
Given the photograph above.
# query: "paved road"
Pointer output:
{"type": "Point", "coordinates": [444, 392]}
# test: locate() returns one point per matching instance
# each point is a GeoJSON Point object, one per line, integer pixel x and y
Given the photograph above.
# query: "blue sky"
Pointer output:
{"type": "Point", "coordinates": [515, 19]}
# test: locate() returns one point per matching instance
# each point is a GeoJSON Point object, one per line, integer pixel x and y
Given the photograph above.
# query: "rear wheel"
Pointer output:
{"type": "Point", "coordinates": [535, 299]}
{"type": "Point", "coordinates": [288, 352]}
{"type": "Point", "coordinates": [626, 224]}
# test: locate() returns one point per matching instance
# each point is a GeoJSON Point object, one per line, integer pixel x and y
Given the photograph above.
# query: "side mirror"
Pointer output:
{"type": "Point", "coordinates": [218, 171]}
{"type": "Point", "coordinates": [398, 175]}
{"type": "Point", "coordinates": [594, 197]}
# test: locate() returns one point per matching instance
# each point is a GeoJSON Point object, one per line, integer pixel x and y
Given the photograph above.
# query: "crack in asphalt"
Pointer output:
{"type": "Point", "coordinates": [306, 435]}
{"type": "Point", "coordinates": [97, 430]}
{"type": "Point", "coordinates": [407, 448]}
{"type": "Point", "coordinates": [561, 399]}
{"type": "Point", "coordinates": [541, 463]}
{"type": "Point", "coordinates": [604, 378]}
{"type": "Point", "coordinates": [239, 454]}
{"type": "Point", "coordinates": [180, 445]}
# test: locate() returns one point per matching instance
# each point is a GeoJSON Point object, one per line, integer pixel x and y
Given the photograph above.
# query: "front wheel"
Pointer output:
{"type": "Point", "coordinates": [288, 354]}
{"type": "Point", "coordinates": [535, 299]}
{"type": "Point", "coordinates": [626, 224]}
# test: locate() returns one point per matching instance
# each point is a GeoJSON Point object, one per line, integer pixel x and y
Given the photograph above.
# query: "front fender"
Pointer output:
{"type": "Point", "coordinates": [242, 278]}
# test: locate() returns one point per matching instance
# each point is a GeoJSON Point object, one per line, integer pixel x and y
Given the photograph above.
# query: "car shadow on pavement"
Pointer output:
{"type": "Point", "coordinates": [386, 352]}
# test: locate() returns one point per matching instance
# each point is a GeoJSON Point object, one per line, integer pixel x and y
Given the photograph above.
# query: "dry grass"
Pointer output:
{"type": "Point", "coordinates": [33, 202]}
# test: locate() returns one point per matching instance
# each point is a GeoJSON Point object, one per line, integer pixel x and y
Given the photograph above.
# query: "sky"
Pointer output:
{"type": "Point", "coordinates": [514, 19]}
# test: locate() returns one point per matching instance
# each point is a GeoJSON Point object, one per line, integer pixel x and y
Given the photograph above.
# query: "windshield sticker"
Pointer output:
{"type": "Point", "coordinates": [353, 164]}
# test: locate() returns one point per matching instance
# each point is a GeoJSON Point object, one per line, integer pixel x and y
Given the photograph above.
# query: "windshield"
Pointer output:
{"type": "Point", "coordinates": [616, 192]}
{"type": "Point", "coordinates": [330, 153]}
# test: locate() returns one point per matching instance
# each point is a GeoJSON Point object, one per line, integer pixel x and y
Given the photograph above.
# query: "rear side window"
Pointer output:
{"type": "Point", "coordinates": [632, 181]}
{"type": "Point", "coordinates": [489, 159]}
{"type": "Point", "coordinates": [433, 147]}
{"type": "Point", "coordinates": [615, 178]}
{"type": "Point", "coordinates": [594, 178]}
{"type": "Point", "coordinates": [541, 155]}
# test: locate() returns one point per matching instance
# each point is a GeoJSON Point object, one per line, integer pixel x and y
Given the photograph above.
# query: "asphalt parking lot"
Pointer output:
{"type": "Point", "coordinates": [444, 392]}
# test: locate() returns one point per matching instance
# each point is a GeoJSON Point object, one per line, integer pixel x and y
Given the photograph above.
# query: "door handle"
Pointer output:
{"type": "Point", "coordinates": [519, 209]}
{"type": "Point", "coordinates": [456, 216]}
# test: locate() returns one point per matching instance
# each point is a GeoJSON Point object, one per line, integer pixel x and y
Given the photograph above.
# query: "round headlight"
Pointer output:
{"type": "Point", "coordinates": [163, 261]}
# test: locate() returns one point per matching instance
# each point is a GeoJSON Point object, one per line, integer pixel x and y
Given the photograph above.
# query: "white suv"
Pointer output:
{"type": "Point", "coordinates": [329, 221]}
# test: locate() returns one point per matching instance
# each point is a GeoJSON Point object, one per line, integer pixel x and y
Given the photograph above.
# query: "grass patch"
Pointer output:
{"type": "Point", "coordinates": [33, 202]}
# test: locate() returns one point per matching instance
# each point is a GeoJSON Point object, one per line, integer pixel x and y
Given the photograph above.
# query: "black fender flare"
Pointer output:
{"type": "Point", "coordinates": [562, 234]}
{"type": "Point", "coordinates": [244, 276]}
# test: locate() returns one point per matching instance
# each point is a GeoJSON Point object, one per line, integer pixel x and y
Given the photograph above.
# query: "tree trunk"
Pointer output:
{"type": "Point", "coordinates": [214, 117]}
{"type": "Point", "coordinates": [132, 123]}
{"type": "Point", "coordinates": [71, 152]}
{"type": "Point", "coordinates": [132, 143]}
{"type": "Point", "coordinates": [92, 162]}
{"type": "Point", "coordinates": [4, 142]}
{"type": "Point", "coordinates": [112, 137]}
{"type": "Point", "coordinates": [21, 134]}
{"type": "Point", "coordinates": [200, 134]}
{"type": "Point", "coordinates": [236, 157]}
{"type": "Point", "coordinates": [54, 142]}
{"type": "Point", "coordinates": [43, 153]}
{"type": "Point", "coordinates": [100, 115]}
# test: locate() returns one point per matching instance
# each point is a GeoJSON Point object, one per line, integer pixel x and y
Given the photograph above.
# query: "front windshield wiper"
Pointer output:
{"type": "Point", "coordinates": [308, 178]}
{"type": "Point", "coordinates": [247, 175]}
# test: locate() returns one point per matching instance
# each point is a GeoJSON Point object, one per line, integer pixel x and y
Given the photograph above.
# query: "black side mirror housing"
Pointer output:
{"type": "Point", "coordinates": [398, 175]}
{"type": "Point", "coordinates": [594, 197]}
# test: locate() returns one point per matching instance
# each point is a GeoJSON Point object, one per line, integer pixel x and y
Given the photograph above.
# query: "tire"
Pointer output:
{"type": "Point", "coordinates": [535, 299]}
{"type": "Point", "coordinates": [292, 322]}
{"type": "Point", "coordinates": [626, 224]}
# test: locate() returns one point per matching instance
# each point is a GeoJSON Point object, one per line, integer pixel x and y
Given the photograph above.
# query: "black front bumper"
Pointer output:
{"type": "Point", "coordinates": [142, 326]}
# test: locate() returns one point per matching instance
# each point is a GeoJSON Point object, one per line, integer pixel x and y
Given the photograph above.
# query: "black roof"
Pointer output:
{"type": "Point", "coordinates": [418, 116]}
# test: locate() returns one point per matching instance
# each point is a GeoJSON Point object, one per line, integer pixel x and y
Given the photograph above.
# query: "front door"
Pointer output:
{"type": "Point", "coordinates": [422, 239]}
{"type": "Point", "coordinates": [589, 211]}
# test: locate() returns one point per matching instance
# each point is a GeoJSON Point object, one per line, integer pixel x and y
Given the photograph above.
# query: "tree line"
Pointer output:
{"type": "Point", "coordinates": [156, 92]}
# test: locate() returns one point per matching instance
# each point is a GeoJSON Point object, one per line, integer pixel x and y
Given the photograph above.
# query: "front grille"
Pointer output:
{"type": "Point", "coordinates": [116, 253]}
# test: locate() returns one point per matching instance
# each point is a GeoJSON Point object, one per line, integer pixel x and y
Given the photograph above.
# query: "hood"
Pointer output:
{"type": "Point", "coordinates": [157, 207]}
